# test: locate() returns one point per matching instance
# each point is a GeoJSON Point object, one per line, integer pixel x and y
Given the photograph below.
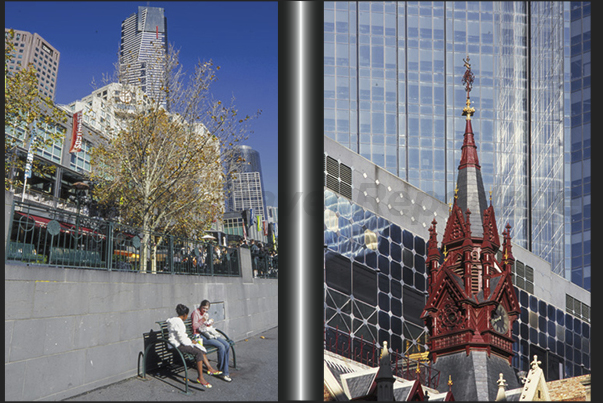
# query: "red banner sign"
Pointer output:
{"type": "Point", "coordinates": [76, 133]}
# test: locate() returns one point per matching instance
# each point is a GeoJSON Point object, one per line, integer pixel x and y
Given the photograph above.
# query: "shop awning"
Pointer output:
{"type": "Point", "coordinates": [42, 222]}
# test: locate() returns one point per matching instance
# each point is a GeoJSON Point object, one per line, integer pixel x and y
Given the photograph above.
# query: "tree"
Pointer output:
{"type": "Point", "coordinates": [165, 167]}
{"type": "Point", "coordinates": [24, 110]}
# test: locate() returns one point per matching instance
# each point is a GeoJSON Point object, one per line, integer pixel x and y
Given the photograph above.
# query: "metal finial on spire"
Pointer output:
{"type": "Point", "coordinates": [468, 79]}
{"type": "Point", "coordinates": [450, 382]}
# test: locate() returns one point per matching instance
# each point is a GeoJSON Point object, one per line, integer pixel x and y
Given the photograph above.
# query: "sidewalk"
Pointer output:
{"type": "Point", "coordinates": [255, 379]}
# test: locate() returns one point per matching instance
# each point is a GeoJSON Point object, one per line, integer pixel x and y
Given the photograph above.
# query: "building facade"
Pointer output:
{"type": "Point", "coordinates": [246, 189]}
{"type": "Point", "coordinates": [33, 49]}
{"type": "Point", "coordinates": [393, 77]}
{"type": "Point", "coordinates": [142, 50]}
{"type": "Point", "coordinates": [376, 231]}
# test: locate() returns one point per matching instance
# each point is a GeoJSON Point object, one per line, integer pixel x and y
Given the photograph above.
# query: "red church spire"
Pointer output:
{"type": "Point", "coordinates": [469, 150]}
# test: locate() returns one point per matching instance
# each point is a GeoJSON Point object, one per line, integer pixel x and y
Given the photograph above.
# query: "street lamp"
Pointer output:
{"type": "Point", "coordinates": [80, 195]}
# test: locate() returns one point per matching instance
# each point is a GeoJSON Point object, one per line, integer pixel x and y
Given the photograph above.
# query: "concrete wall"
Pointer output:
{"type": "Point", "coordinates": [68, 331]}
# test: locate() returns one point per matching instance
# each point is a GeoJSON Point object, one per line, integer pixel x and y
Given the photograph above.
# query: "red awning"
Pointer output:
{"type": "Point", "coordinates": [84, 230]}
{"type": "Point", "coordinates": [42, 222]}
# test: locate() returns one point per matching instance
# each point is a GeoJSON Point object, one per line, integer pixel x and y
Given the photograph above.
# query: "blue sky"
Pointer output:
{"type": "Point", "coordinates": [240, 37]}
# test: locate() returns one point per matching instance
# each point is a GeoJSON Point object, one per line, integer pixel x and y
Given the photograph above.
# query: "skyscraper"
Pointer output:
{"type": "Point", "coordinates": [32, 48]}
{"type": "Point", "coordinates": [143, 47]}
{"type": "Point", "coordinates": [393, 80]}
{"type": "Point", "coordinates": [246, 189]}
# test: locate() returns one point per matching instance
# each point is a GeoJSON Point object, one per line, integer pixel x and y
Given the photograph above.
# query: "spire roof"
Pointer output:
{"type": "Point", "coordinates": [471, 194]}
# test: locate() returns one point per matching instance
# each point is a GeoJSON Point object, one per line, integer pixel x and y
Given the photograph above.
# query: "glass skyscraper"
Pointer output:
{"type": "Point", "coordinates": [246, 189]}
{"type": "Point", "coordinates": [143, 45]}
{"type": "Point", "coordinates": [393, 85]}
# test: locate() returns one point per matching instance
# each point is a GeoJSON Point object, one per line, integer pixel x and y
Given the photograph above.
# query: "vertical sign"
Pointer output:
{"type": "Point", "coordinates": [76, 133]}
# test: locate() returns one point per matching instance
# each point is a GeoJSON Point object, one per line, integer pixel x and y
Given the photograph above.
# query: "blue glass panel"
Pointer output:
{"type": "Point", "coordinates": [407, 276]}
{"type": "Point", "coordinates": [345, 209]}
{"type": "Point", "coordinates": [524, 331]}
{"type": "Point", "coordinates": [360, 256]}
{"type": "Point", "coordinates": [371, 259]}
{"type": "Point", "coordinates": [345, 228]}
{"type": "Point", "coordinates": [524, 315]}
{"type": "Point", "coordinates": [396, 233]}
{"type": "Point", "coordinates": [542, 309]}
{"type": "Point", "coordinates": [396, 307]}
{"type": "Point", "coordinates": [515, 328]}
{"type": "Point", "coordinates": [586, 360]}
{"type": "Point", "coordinates": [551, 312]}
{"type": "Point", "coordinates": [419, 282]}
{"type": "Point", "coordinates": [407, 258]}
{"type": "Point", "coordinates": [533, 336]}
{"type": "Point", "coordinates": [533, 303]}
{"type": "Point", "coordinates": [383, 246]}
{"type": "Point", "coordinates": [396, 343]}
{"type": "Point", "coordinates": [420, 263]}
{"type": "Point", "coordinates": [383, 283]}
{"type": "Point", "coordinates": [542, 324]}
{"type": "Point", "coordinates": [560, 348]}
{"type": "Point", "coordinates": [586, 330]}
{"type": "Point", "coordinates": [396, 326]}
{"type": "Point", "coordinates": [560, 317]}
{"type": "Point", "coordinates": [569, 321]}
{"type": "Point", "coordinates": [419, 245]}
{"type": "Point", "coordinates": [357, 214]}
{"type": "Point", "coordinates": [552, 328]}
{"type": "Point", "coordinates": [330, 237]}
{"type": "Point", "coordinates": [569, 337]}
{"type": "Point", "coordinates": [523, 298]}
{"type": "Point", "coordinates": [383, 303]}
{"type": "Point", "coordinates": [577, 326]}
{"type": "Point", "coordinates": [384, 318]}
{"type": "Point", "coordinates": [396, 290]}
{"type": "Point", "coordinates": [542, 339]}
{"type": "Point", "coordinates": [577, 356]}
{"type": "Point", "coordinates": [396, 271]}
{"type": "Point", "coordinates": [407, 239]}
{"type": "Point", "coordinates": [384, 335]}
{"type": "Point", "coordinates": [383, 226]}
{"type": "Point", "coordinates": [396, 252]}
{"type": "Point", "coordinates": [551, 343]}
{"type": "Point", "coordinates": [384, 264]}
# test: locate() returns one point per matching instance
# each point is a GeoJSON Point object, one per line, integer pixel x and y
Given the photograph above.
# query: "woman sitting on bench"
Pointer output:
{"type": "Point", "coordinates": [202, 325]}
{"type": "Point", "coordinates": [179, 338]}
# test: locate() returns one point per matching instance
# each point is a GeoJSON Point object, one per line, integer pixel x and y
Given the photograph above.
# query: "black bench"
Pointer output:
{"type": "Point", "coordinates": [75, 257]}
{"type": "Point", "coordinates": [24, 252]}
{"type": "Point", "coordinates": [163, 335]}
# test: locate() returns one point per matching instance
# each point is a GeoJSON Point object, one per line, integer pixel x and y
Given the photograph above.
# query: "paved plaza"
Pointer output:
{"type": "Point", "coordinates": [254, 379]}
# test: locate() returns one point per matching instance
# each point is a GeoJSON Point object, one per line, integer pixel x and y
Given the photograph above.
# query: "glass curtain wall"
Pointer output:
{"type": "Point", "coordinates": [393, 94]}
{"type": "Point", "coordinates": [578, 145]}
{"type": "Point", "coordinates": [547, 127]}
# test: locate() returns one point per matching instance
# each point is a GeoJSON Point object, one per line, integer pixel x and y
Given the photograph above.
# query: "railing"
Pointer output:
{"type": "Point", "coordinates": [264, 264]}
{"type": "Point", "coordinates": [40, 234]}
{"type": "Point", "coordinates": [367, 352]}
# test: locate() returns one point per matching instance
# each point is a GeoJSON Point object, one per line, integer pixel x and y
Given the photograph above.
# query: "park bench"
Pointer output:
{"type": "Point", "coordinates": [74, 257]}
{"type": "Point", "coordinates": [24, 252]}
{"type": "Point", "coordinates": [162, 338]}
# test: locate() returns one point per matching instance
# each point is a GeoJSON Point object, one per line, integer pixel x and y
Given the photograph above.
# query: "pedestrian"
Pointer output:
{"type": "Point", "coordinates": [203, 326]}
{"type": "Point", "coordinates": [179, 339]}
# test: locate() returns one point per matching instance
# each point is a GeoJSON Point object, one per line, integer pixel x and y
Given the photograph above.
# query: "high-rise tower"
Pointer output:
{"type": "Point", "coordinates": [33, 49]}
{"type": "Point", "coordinates": [143, 49]}
{"type": "Point", "coordinates": [393, 82]}
{"type": "Point", "coordinates": [246, 189]}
